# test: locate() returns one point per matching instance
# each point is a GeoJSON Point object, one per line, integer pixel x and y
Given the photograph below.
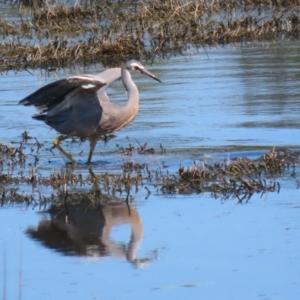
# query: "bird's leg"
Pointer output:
{"type": "Point", "coordinates": [92, 148]}
{"type": "Point", "coordinates": [56, 145]}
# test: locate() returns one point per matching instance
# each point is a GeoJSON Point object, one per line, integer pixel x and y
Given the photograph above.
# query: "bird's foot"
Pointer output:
{"type": "Point", "coordinates": [56, 144]}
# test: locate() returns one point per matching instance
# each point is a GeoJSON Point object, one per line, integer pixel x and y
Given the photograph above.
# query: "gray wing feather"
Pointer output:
{"type": "Point", "coordinates": [79, 114]}
{"type": "Point", "coordinates": [70, 106]}
{"type": "Point", "coordinates": [52, 94]}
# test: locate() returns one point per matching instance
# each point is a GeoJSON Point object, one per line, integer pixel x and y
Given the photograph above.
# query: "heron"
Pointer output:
{"type": "Point", "coordinates": [78, 106]}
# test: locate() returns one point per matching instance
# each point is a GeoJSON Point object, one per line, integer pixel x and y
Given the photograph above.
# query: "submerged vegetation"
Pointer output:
{"type": "Point", "coordinates": [110, 32]}
{"type": "Point", "coordinates": [20, 171]}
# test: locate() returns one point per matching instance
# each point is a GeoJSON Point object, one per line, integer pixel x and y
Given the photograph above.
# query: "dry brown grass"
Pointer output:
{"type": "Point", "coordinates": [239, 179]}
{"type": "Point", "coordinates": [60, 35]}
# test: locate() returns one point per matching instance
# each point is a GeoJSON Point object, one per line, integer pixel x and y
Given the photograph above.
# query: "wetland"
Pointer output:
{"type": "Point", "coordinates": [198, 196]}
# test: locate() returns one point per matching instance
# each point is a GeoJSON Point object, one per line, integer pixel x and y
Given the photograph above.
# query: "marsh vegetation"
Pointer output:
{"type": "Point", "coordinates": [236, 179]}
{"type": "Point", "coordinates": [110, 32]}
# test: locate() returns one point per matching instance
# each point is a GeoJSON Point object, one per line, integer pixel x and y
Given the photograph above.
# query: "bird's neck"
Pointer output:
{"type": "Point", "coordinates": [125, 114]}
{"type": "Point", "coordinates": [132, 92]}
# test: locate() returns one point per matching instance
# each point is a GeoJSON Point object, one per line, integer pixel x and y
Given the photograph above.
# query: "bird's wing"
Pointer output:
{"type": "Point", "coordinates": [78, 114]}
{"type": "Point", "coordinates": [53, 93]}
{"type": "Point", "coordinates": [109, 76]}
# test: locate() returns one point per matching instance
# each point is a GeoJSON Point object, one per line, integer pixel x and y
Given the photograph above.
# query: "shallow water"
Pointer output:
{"type": "Point", "coordinates": [195, 246]}
{"type": "Point", "coordinates": [219, 104]}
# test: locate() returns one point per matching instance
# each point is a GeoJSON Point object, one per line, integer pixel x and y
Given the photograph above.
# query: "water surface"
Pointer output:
{"type": "Point", "coordinates": [215, 104]}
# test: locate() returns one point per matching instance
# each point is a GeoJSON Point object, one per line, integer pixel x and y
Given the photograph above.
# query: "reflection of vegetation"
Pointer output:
{"type": "Point", "coordinates": [113, 31]}
{"type": "Point", "coordinates": [238, 179]}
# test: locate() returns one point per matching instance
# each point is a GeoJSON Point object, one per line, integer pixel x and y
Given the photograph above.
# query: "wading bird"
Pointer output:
{"type": "Point", "coordinates": [79, 106]}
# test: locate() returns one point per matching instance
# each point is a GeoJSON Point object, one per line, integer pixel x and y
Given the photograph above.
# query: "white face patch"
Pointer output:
{"type": "Point", "coordinates": [134, 65]}
{"type": "Point", "coordinates": [88, 86]}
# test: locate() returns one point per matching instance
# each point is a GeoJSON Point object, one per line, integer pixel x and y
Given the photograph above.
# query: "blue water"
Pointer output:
{"type": "Point", "coordinates": [214, 105]}
{"type": "Point", "coordinates": [205, 249]}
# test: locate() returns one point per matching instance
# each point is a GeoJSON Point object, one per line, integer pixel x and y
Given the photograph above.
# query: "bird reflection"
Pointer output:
{"type": "Point", "coordinates": [85, 230]}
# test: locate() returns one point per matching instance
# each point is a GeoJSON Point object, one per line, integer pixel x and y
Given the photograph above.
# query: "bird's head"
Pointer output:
{"type": "Point", "coordinates": [135, 65]}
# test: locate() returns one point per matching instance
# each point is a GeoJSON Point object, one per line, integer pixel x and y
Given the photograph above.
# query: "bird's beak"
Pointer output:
{"type": "Point", "coordinates": [145, 72]}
